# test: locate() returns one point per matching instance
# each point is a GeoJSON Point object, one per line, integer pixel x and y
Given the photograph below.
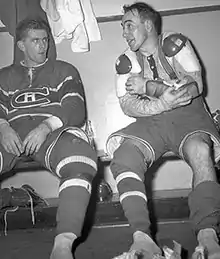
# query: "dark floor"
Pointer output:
{"type": "Point", "coordinates": [102, 243]}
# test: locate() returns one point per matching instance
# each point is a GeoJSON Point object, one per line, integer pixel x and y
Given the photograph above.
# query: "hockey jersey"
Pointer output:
{"type": "Point", "coordinates": [53, 90]}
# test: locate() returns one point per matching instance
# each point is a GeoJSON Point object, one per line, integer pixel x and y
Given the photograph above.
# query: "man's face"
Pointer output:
{"type": "Point", "coordinates": [34, 46]}
{"type": "Point", "coordinates": [134, 30]}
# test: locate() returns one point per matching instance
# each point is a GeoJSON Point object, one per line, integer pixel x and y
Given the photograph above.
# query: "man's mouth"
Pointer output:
{"type": "Point", "coordinates": [130, 42]}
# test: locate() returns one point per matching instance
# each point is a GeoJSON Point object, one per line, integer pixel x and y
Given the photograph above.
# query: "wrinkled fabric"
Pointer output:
{"type": "Point", "coordinates": [72, 19]}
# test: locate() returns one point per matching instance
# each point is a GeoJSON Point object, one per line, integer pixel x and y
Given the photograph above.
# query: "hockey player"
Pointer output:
{"type": "Point", "coordinates": [42, 109]}
{"type": "Point", "coordinates": [165, 98]}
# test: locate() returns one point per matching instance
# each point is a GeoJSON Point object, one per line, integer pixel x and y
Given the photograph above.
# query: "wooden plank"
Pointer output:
{"type": "Point", "coordinates": [191, 10]}
{"type": "Point", "coordinates": [99, 214]}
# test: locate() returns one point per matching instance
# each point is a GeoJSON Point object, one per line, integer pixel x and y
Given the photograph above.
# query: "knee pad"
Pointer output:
{"type": "Point", "coordinates": [72, 155]}
{"type": "Point", "coordinates": [83, 180]}
{"type": "Point", "coordinates": [128, 158]}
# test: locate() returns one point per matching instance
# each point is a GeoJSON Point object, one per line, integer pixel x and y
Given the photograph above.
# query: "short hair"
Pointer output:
{"type": "Point", "coordinates": [146, 12]}
{"type": "Point", "coordinates": [30, 23]}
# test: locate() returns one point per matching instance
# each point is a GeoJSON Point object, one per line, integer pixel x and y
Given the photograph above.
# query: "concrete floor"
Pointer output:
{"type": "Point", "coordinates": [101, 243]}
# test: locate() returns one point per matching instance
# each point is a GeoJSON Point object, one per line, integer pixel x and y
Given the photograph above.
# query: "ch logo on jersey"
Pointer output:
{"type": "Point", "coordinates": [30, 98]}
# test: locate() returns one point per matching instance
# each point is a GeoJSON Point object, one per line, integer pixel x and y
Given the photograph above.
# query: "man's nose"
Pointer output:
{"type": "Point", "coordinates": [42, 45]}
{"type": "Point", "coordinates": [124, 34]}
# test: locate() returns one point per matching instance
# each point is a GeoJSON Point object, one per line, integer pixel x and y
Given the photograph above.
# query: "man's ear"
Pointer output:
{"type": "Point", "coordinates": [149, 25]}
{"type": "Point", "coordinates": [20, 45]}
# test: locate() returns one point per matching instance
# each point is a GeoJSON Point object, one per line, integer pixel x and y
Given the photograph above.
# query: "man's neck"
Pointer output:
{"type": "Point", "coordinates": [150, 46]}
{"type": "Point", "coordinates": [26, 63]}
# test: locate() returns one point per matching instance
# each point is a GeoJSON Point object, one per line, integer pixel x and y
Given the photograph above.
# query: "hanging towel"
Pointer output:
{"type": "Point", "coordinates": [72, 19]}
{"type": "Point", "coordinates": [13, 11]}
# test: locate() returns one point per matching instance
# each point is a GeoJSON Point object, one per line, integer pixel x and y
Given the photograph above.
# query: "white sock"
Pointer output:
{"type": "Point", "coordinates": [207, 233]}
{"type": "Point", "coordinates": [139, 235]}
{"type": "Point", "coordinates": [65, 240]}
{"type": "Point", "coordinates": [143, 242]}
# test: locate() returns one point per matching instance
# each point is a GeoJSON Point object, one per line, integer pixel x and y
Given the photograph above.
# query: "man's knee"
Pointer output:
{"type": "Point", "coordinates": [73, 156]}
{"type": "Point", "coordinates": [70, 144]}
{"type": "Point", "coordinates": [198, 146]}
{"type": "Point", "coordinates": [128, 157]}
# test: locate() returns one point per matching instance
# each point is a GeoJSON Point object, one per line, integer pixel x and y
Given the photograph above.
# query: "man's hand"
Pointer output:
{"type": "Point", "coordinates": [191, 88]}
{"type": "Point", "coordinates": [35, 139]}
{"type": "Point", "coordinates": [136, 84]}
{"type": "Point", "coordinates": [173, 99]}
{"type": "Point", "coordinates": [10, 140]}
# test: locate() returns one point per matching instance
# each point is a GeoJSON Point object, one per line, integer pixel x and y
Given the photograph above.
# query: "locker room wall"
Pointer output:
{"type": "Point", "coordinates": [97, 71]}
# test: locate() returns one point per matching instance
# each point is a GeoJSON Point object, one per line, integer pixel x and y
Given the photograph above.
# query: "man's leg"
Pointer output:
{"type": "Point", "coordinates": [7, 160]}
{"type": "Point", "coordinates": [75, 162]}
{"type": "Point", "coordinates": [128, 167]}
{"type": "Point", "coordinates": [204, 200]}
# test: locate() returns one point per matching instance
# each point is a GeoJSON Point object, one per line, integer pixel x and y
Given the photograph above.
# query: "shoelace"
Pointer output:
{"type": "Point", "coordinates": [16, 208]}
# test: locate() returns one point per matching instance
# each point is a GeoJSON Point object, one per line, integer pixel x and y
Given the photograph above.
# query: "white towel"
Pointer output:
{"type": "Point", "coordinates": [72, 19]}
{"type": "Point", "coordinates": [1, 24]}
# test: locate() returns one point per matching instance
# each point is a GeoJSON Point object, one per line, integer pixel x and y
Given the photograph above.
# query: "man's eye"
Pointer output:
{"type": "Point", "coordinates": [130, 26]}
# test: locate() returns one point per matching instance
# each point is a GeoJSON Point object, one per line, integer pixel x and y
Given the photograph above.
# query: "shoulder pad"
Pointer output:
{"type": "Point", "coordinates": [173, 43]}
{"type": "Point", "coordinates": [123, 65]}
{"type": "Point", "coordinates": [127, 63]}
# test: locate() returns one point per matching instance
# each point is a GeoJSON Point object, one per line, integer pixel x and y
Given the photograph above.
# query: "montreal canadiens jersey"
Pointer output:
{"type": "Point", "coordinates": [53, 89]}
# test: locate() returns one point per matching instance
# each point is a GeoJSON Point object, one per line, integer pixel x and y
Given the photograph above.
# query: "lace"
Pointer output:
{"type": "Point", "coordinates": [17, 207]}
{"type": "Point", "coordinates": [5, 218]}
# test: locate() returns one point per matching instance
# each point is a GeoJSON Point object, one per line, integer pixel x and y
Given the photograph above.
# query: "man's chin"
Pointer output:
{"type": "Point", "coordinates": [41, 60]}
{"type": "Point", "coordinates": [133, 48]}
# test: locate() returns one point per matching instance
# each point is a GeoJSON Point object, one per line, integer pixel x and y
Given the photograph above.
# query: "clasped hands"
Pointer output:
{"type": "Point", "coordinates": [170, 95]}
{"type": "Point", "coordinates": [13, 144]}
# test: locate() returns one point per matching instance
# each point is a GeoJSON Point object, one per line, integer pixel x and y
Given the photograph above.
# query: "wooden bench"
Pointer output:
{"type": "Point", "coordinates": [26, 164]}
{"type": "Point", "coordinates": [100, 213]}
